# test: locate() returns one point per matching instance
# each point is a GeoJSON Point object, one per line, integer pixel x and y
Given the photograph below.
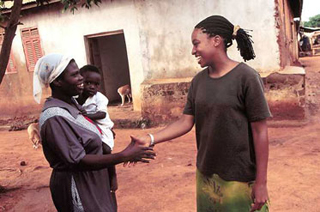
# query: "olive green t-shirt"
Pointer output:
{"type": "Point", "coordinates": [223, 109]}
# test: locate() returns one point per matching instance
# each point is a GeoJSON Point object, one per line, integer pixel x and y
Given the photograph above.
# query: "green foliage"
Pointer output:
{"type": "Point", "coordinates": [9, 30]}
{"type": "Point", "coordinates": [72, 5]}
{"type": "Point", "coordinates": [69, 4]}
{"type": "Point", "coordinates": [88, 3]}
{"type": "Point", "coordinates": [313, 21]}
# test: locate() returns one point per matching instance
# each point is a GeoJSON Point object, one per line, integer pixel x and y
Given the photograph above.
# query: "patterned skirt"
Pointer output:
{"type": "Point", "coordinates": [217, 195]}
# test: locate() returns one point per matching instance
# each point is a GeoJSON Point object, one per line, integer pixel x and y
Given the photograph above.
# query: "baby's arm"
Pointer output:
{"type": "Point", "coordinates": [97, 115]}
{"type": "Point", "coordinates": [101, 111]}
{"type": "Point", "coordinates": [102, 103]}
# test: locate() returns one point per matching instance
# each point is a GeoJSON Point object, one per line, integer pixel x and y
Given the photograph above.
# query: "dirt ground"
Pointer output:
{"type": "Point", "coordinates": [168, 183]}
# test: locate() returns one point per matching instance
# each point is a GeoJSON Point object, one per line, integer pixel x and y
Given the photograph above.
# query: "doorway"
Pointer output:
{"type": "Point", "coordinates": [108, 52]}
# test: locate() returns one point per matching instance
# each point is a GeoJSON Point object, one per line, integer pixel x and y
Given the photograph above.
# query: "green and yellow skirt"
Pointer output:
{"type": "Point", "coordinates": [217, 195]}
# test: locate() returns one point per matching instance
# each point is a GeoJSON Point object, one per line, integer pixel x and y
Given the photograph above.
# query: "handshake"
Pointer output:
{"type": "Point", "coordinates": [139, 150]}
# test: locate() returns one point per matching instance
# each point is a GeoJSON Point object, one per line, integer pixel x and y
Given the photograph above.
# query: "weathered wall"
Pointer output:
{"type": "Point", "coordinates": [64, 33]}
{"type": "Point", "coordinates": [287, 34]}
{"type": "Point", "coordinates": [163, 100]}
{"type": "Point", "coordinates": [157, 36]}
{"type": "Point", "coordinates": [164, 57]}
{"type": "Point", "coordinates": [166, 27]}
{"type": "Point", "coordinates": [286, 96]}
{"type": "Point", "coordinates": [16, 94]}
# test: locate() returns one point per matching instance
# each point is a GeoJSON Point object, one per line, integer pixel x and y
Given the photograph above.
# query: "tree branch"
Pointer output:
{"type": "Point", "coordinates": [16, 24]}
{"type": "Point", "coordinates": [13, 22]}
{"type": "Point", "coordinates": [10, 32]}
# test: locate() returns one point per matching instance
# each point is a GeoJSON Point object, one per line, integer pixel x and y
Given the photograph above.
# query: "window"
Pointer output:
{"type": "Point", "coordinates": [31, 46]}
{"type": "Point", "coordinates": [11, 67]}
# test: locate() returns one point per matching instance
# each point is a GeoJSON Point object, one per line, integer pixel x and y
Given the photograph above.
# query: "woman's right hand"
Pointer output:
{"type": "Point", "coordinates": [142, 140]}
{"type": "Point", "coordinates": [135, 152]}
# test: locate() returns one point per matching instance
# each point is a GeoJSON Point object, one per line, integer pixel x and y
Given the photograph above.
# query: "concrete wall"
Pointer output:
{"type": "Point", "coordinates": [163, 100]}
{"type": "Point", "coordinates": [167, 53]}
{"type": "Point", "coordinates": [286, 96]}
{"type": "Point", "coordinates": [166, 27]}
{"type": "Point", "coordinates": [16, 91]}
{"type": "Point", "coordinates": [64, 33]}
{"type": "Point", "coordinates": [157, 36]}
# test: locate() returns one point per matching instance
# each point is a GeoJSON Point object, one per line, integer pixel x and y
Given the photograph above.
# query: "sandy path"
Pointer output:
{"type": "Point", "coordinates": [168, 184]}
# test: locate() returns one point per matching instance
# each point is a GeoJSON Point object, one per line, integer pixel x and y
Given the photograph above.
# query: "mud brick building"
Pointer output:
{"type": "Point", "coordinates": [147, 44]}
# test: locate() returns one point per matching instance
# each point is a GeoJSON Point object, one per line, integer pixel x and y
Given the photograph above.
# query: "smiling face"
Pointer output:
{"type": "Point", "coordinates": [70, 81]}
{"type": "Point", "coordinates": [92, 82]}
{"type": "Point", "coordinates": [204, 47]}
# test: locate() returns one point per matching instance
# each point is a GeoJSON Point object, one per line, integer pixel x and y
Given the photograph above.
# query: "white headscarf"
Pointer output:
{"type": "Point", "coordinates": [47, 69]}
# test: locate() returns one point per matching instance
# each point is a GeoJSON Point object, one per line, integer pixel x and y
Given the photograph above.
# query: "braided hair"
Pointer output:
{"type": "Point", "coordinates": [218, 25]}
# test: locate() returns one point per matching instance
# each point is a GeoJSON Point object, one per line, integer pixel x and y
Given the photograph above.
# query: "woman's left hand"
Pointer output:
{"type": "Point", "coordinates": [259, 196]}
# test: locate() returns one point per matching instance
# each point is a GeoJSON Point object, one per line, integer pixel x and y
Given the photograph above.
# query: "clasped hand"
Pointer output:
{"type": "Point", "coordinates": [143, 152]}
{"type": "Point", "coordinates": [137, 151]}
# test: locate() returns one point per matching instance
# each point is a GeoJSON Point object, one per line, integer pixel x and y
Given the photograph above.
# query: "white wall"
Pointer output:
{"type": "Point", "coordinates": [64, 33]}
{"type": "Point", "coordinates": [157, 33]}
{"type": "Point", "coordinates": [166, 27]}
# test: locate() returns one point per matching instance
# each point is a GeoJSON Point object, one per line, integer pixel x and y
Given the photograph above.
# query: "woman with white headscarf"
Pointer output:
{"type": "Point", "coordinates": [72, 143]}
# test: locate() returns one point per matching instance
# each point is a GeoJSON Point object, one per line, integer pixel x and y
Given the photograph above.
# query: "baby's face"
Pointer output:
{"type": "Point", "coordinates": [92, 82]}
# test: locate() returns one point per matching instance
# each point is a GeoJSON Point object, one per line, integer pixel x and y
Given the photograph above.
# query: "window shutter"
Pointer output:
{"type": "Point", "coordinates": [34, 32]}
{"type": "Point", "coordinates": [32, 46]}
{"type": "Point", "coordinates": [29, 53]}
{"type": "Point", "coordinates": [25, 34]}
{"type": "Point", "coordinates": [37, 49]}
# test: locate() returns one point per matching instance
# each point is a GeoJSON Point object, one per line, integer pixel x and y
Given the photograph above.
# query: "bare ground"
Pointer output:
{"type": "Point", "coordinates": [168, 183]}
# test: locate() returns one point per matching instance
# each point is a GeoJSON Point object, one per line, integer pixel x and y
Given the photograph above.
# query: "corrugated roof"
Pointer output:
{"type": "Point", "coordinates": [310, 29]}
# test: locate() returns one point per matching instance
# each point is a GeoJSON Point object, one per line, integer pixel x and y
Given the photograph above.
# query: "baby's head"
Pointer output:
{"type": "Point", "coordinates": [92, 79]}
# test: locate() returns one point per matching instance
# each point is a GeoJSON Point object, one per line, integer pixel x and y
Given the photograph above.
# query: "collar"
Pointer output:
{"type": "Point", "coordinates": [53, 102]}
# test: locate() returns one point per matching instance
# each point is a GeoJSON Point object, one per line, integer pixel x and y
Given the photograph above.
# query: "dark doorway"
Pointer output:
{"type": "Point", "coordinates": [108, 52]}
